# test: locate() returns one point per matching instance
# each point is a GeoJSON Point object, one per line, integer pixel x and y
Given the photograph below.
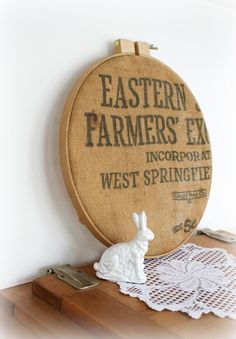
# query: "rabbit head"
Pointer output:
{"type": "Point", "coordinates": [140, 221]}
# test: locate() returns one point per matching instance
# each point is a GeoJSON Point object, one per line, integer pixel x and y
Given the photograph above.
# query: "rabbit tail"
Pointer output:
{"type": "Point", "coordinates": [100, 267]}
{"type": "Point", "coordinates": [106, 267]}
{"type": "Point", "coordinates": [96, 266]}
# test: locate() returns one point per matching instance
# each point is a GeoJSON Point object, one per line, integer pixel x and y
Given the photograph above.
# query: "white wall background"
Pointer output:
{"type": "Point", "coordinates": [45, 45]}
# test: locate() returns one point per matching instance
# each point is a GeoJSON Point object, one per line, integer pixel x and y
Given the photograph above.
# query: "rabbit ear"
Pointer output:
{"type": "Point", "coordinates": [142, 220]}
{"type": "Point", "coordinates": [135, 218]}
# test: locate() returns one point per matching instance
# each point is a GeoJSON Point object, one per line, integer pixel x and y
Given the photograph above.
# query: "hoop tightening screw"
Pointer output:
{"type": "Point", "coordinates": [152, 46]}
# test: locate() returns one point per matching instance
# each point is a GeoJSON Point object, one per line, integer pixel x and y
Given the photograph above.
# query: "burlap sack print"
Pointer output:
{"type": "Point", "coordinates": [133, 138]}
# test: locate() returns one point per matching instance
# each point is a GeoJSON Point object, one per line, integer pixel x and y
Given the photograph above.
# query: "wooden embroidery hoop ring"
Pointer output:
{"type": "Point", "coordinates": [123, 48]}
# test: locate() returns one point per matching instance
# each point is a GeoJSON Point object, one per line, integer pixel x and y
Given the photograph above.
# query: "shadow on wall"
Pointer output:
{"type": "Point", "coordinates": [84, 246]}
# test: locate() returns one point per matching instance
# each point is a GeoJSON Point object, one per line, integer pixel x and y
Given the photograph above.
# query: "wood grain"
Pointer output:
{"type": "Point", "coordinates": [108, 315]}
{"type": "Point", "coordinates": [23, 315]}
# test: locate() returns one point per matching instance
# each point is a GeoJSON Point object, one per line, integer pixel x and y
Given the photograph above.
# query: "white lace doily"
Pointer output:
{"type": "Point", "coordinates": [193, 279]}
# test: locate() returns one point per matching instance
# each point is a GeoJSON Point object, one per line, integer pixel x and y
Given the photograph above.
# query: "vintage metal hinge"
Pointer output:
{"type": "Point", "coordinates": [73, 277]}
{"type": "Point", "coordinates": [219, 235]}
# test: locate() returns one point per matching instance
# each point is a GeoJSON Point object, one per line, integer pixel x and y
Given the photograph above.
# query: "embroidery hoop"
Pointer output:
{"type": "Point", "coordinates": [174, 210]}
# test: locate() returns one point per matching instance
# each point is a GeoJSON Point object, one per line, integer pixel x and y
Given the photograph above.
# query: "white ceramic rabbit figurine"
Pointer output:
{"type": "Point", "coordinates": [125, 261]}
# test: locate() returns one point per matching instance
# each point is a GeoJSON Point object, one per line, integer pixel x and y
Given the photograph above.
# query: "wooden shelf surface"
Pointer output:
{"type": "Point", "coordinates": [101, 312]}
